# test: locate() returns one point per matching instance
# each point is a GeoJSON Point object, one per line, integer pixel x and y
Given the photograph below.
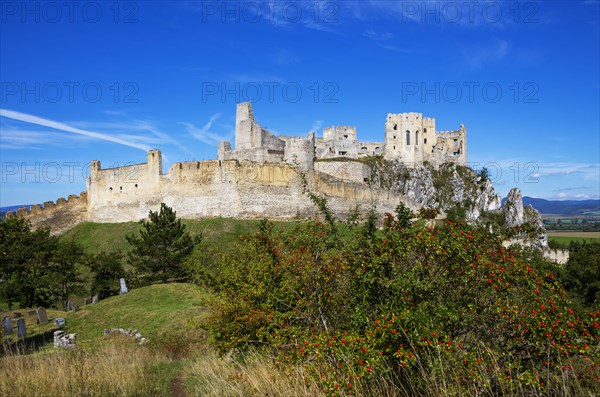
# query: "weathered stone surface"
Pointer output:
{"type": "Point", "coordinates": [123, 287]}
{"type": "Point", "coordinates": [60, 322]}
{"type": "Point", "coordinates": [72, 307]}
{"type": "Point", "coordinates": [513, 208]}
{"type": "Point", "coordinates": [532, 217]}
{"type": "Point", "coordinates": [42, 316]}
{"type": "Point", "coordinates": [7, 326]}
{"type": "Point", "coordinates": [126, 332]}
{"type": "Point", "coordinates": [95, 299]}
{"type": "Point", "coordinates": [21, 328]}
{"type": "Point", "coordinates": [62, 340]}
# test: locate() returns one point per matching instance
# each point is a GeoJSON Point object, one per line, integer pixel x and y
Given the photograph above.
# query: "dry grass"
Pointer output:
{"type": "Point", "coordinates": [256, 375]}
{"type": "Point", "coordinates": [595, 235]}
{"type": "Point", "coordinates": [115, 371]}
{"type": "Point", "coordinates": [213, 376]}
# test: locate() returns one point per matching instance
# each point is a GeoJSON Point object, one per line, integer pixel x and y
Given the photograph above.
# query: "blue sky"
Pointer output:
{"type": "Point", "coordinates": [107, 80]}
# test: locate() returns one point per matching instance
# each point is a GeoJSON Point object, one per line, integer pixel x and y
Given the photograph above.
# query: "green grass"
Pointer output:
{"type": "Point", "coordinates": [168, 315]}
{"type": "Point", "coordinates": [155, 311]}
{"type": "Point", "coordinates": [219, 233]}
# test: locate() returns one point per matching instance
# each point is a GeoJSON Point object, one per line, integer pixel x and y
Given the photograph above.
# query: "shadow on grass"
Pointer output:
{"type": "Point", "coordinates": [29, 345]}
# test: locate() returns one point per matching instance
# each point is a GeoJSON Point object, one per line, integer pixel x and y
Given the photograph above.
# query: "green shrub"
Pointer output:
{"type": "Point", "coordinates": [408, 301]}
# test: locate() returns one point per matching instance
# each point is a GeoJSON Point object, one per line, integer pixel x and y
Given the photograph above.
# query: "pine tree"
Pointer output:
{"type": "Point", "coordinates": [161, 247]}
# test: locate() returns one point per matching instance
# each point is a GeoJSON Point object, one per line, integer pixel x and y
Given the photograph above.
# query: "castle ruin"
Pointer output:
{"type": "Point", "coordinates": [409, 138]}
{"type": "Point", "coordinates": [259, 178]}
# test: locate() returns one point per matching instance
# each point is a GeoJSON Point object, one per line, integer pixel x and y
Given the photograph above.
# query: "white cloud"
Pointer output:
{"type": "Point", "coordinates": [31, 119]}
{"type": "Point", "coordinates": [317, 124]}
{"type": "Point", "coordinates": [376, 36]}
{"type": "Point", "coordinates": [491, 52]}
{"type": "Point", "coordinates": [203, 134]}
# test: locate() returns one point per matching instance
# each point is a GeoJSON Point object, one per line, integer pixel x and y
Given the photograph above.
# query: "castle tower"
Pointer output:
{"type": "Point", "coordinates": [94, 169]}
{"type": "Point", "coordinates": [404, 137]}
{"type": "Point", "coordinates": [244, 120]}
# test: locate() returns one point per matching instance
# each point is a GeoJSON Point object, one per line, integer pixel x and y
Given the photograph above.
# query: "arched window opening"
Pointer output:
{"type": "Point", "coordinates": [417, 138]}
{"type": "Point", "coordinates": [407, 138]}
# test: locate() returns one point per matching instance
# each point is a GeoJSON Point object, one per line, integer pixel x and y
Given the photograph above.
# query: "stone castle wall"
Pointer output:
{"type": "Point", "coordinates": [60, 216]}
{"type": "Point", "coordinates": [228, 188]}
{"type": "Point", "coordinates": [258, 178]}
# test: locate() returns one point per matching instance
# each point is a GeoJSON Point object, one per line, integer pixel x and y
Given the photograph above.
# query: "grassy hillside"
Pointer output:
{"type": "Point", "coordinates": [168, 315]}
{"type": "Point", "coordinates": [217, 232]}
{"type": "Point", "coordinates": [156, 311]}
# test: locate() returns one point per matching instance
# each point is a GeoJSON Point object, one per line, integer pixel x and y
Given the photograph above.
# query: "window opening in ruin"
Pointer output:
{"type": "Point", "coordinates": [342, 153]}
{"type": "Point", "coordinates": [345, 137]}
{"type": "Point", "coordinates": [456, 142]}
{"type": "Point", "coordinates": [424, 130]}
{"type": "Point", "coordinates": [110, 188]}
{"type": "Point", "coordinates": [417, 138]}
{"type": "Point", "coordinates": [395, 126]}
{"type": "Point", "coordinates": [377, 150]}
{"type": "Point", "coordinates": [408, 137]}
{"type": "Point", "coordinates": [425, 140]}
{"type": "Point", "coordinates": [136, 185]}
{"type": "Point", "coordinates": [455, 154]}
{"type": "Point", "coordinates": [363, 149]}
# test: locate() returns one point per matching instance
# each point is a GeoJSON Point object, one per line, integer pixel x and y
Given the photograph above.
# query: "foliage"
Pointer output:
{"type": "Point", "coordinates": [428, 213]}
{"type": "Point", "coordinates": [35, 268]}
{"type": "Point", "coordinates": [107, 270]}
{"type": "Point", "coordinates": [456, 214]}
{"type": "Point", "coordinates": [391, 301]}
{"type": "Point", "coordinates": [161, 247]}
{"type": "Point", "coordinates": [582, 275]}
{"type": "Point", "coordinates": [484, 174]}
{"type": "Point", "coordinates": [66, 279]}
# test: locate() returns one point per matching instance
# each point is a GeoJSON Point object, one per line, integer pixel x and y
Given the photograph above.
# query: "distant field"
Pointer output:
{"type": "Point", "coordinates": [587, 235]}
{"type": "Point", "coordinates": [566, 237]}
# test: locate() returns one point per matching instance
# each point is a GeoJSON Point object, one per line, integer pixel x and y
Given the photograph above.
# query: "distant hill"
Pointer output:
{"type": "Point", "coordinates": [563, 207]}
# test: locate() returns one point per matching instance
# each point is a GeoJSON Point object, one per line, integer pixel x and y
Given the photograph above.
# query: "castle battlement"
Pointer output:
{"type": "Point", "coordinates": [408, 137]}
{"type": "Point", "coordinates": [259, 176]}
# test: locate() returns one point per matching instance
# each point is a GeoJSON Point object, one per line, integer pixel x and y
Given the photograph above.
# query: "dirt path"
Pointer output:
{"type": "Point", "coordinates": [177, 387]}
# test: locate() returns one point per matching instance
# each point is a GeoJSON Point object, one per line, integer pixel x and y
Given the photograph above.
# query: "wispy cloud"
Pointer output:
{"type": "Point", "coordinates": [378, 36]}
{"type": "Point", "coordinates": [383, 40]}
{"type": "Point", "coordinates": [257, 78]}
{"type": "Point", "coordinates": [491, 52]}
{"type": "Point", "coordinates": [568, 189]}
{"type": "Point", "coordinates": [316, 126]}
{"type": "Point", "coordinates": [284, 57]}
{"type": "Point", "coordinates": [204, 133]}
{"type": "Point", "coordinates": [31, 119]}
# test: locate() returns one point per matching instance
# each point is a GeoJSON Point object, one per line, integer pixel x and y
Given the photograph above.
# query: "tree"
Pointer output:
{"type": "Point", "coordinates": [108, 269]}
{"type": "Point", "coordinates": [25, 256]}
{"type": "Point", "coordinates": [162, 245]}
{"type": "Point", "coordinates": [66, 278]}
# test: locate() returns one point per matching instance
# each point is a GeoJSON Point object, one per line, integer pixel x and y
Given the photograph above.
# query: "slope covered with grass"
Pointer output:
{"type": "Point", "coordinates": [221, 233]}
{"type": "Point", "coordinates": [156, 312]}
